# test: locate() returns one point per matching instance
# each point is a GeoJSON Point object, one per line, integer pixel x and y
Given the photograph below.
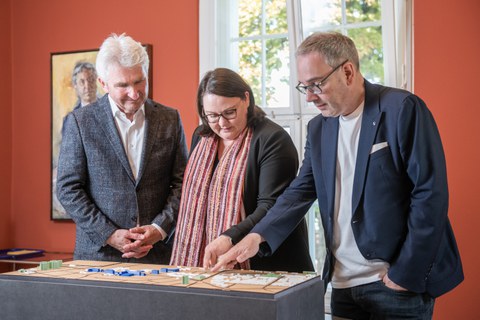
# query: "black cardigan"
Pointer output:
{"type": "Point", "coordinates": [272, 164]}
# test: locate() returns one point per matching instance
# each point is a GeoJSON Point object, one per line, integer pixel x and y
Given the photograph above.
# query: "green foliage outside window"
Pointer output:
{"type": "Point", "coordinates": [368, 40]}
{"type": "Point", "coordinates": [250, 51]}
{"type": "Point", "coordinates": [272, 49]}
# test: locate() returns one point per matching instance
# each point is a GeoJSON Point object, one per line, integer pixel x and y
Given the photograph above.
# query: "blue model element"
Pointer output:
{"type": "Point", "coordinates": [169, 270]}
{"type": "Point", "coordinates": [155, 272]}
{"type": "Point", "coordinates": [122, 273]}
{"type": "Point", "coordinates": [125, 273]}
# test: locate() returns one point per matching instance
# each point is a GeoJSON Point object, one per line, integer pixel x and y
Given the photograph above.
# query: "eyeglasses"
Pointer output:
{"type": "Point", "coordinates": [316, 87]}
{"type": "Point", "coordinates": [228, 114]}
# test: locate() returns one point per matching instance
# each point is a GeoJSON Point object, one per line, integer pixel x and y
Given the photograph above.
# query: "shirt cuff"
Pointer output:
{"type": "Point", "coordinates": [162, 232]}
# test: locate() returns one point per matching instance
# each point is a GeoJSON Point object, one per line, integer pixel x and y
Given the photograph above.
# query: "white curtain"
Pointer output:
{"type": "Point", "coordinates": [397, 21]}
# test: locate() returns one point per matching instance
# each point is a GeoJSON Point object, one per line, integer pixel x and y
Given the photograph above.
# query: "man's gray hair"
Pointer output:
{"type": "Point", "coordinates": [333, 46]}
{"type": "Point", "coordinates": [122, 50]}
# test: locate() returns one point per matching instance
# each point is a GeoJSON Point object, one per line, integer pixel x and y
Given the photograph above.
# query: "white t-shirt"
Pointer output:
{"type": "Point", "coordinates": [351, 268]}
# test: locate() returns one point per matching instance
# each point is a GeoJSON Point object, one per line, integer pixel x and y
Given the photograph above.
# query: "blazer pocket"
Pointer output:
{"type": "Point", "coordinates": [378, 146]}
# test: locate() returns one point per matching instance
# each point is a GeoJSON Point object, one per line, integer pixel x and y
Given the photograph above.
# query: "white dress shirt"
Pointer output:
{"type": "Point", "coordinates": [132, 134]}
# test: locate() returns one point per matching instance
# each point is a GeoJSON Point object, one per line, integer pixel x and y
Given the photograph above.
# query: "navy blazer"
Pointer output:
{"type": "Point", "coordinates": [400, 193]}
{"type": "Point", "coordinates": [96, 186]}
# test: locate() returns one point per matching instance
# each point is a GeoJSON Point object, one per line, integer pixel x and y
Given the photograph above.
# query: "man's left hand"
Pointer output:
{"type": "Point", "coordinates": [144, 238]}
{"type": "Point", "coordinates": [392, 285]}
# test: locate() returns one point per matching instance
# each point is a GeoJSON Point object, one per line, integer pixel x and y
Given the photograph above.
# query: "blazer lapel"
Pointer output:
{"type": "Point", "coordinates": [152, 121]}
{"type": "Point", "coordinates": [107, 123]}
{"type": "Point", "coordinates": [329, 159]}
{"type": "Point", "coordinates": [370, 122]}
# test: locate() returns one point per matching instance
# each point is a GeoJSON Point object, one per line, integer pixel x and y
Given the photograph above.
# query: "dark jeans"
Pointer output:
{"type": "Point", "coordinates": [375, 301]}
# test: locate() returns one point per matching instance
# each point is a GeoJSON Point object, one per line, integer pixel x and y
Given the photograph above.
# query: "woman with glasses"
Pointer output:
{"type": "Point", "coordinates": [240, 162]}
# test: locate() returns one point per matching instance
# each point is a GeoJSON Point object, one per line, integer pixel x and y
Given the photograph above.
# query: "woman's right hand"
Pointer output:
{"type": "Point", "coordinates": [215, 249]}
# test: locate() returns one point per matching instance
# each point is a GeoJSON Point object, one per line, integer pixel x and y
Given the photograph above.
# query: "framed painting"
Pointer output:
{"type": "Point", "coordinates": [74, 84]}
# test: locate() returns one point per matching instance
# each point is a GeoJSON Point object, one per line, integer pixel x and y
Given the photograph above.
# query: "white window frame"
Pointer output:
{"type": "Point", "coordinates": [397, 39]}
{"type": "Point", "coordinates": [398, 62]}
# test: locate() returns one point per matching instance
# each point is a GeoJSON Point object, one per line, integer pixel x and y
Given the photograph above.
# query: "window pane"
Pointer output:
{"type": "Point", "coordinates": [363, 10]}
{"type": "Point", "coordinates": [370, 50]}
{"type": "Point", "coordinates": [250, 66]}
{"type": "Point", "coordinates": [318, 14]}
{"type": "Point", "coordinates": [276, 17]}
{"type": "Point", "coordinates": [277, 79]}
{"type": "Point", "coordinates": [249, 18]}
{"type": "Point", "coordinates": [320, 250]}
{"type": "Point", "coordinates": [288, 129]}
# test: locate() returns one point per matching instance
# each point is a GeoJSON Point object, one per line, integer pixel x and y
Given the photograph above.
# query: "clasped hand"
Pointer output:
{"type": "Point", "coordinates": [135, 242]}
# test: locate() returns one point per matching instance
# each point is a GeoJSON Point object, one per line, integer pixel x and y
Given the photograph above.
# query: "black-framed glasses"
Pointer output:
{"type": "Point", "coordinates": [316, 87]}
{"type": "Point", "coordinates": [228, 114]}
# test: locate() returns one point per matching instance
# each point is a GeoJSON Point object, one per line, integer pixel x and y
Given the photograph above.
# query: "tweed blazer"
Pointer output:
{"type": "Point", "coordinates": [96, 186]}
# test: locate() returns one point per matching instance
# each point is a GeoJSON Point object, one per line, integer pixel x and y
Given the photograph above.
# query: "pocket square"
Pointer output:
{"type": "Point", "coordinates": [379, 146]}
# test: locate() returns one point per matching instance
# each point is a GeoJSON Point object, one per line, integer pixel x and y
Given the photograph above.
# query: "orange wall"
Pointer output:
{"type": "Point", "coordinates": [42, 27]}
{"type": "Point", "coordinates": [6, 126]}
{"type": "Point", "coordinates": [446, 68]}
{"type": "Point", "coordinates": [447, 51]}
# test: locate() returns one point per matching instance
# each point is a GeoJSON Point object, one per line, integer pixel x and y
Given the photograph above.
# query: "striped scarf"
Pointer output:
{"type": "Point", "coordinates": [210, 204]}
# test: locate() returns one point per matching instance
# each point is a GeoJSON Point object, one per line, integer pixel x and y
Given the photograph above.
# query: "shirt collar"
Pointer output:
{"type": "Point", "coordinates": [356, 113]}
{"type": "Point", "coordinates": [116, 111]}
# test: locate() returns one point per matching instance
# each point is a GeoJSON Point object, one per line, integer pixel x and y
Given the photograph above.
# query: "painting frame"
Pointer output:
{"type": "Point", "coordinates": [63, 100]}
